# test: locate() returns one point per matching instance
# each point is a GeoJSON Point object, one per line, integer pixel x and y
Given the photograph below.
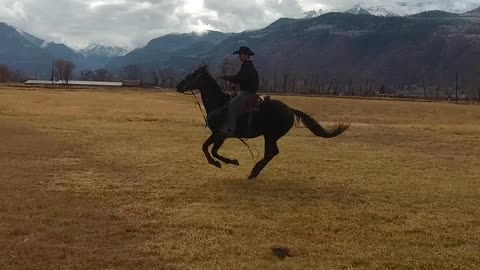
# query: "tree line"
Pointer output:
{"type": "Point", "coordinates": [457, 87]}
{"type": "Point", "coordinates": [341, 83]}
{"type": "Point", "coordinates": [64, 70]}
{"type": "Point", "coordinates": [7, 75]}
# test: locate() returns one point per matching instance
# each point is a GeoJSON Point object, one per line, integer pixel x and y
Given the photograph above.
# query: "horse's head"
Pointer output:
{"type": "Point", "coordinates": [192, 80]}
{"type": "Point", "coordinates": [200, 79]}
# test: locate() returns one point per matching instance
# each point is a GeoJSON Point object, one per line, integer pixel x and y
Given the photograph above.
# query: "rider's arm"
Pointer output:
{"type": "Point", "coordinates": [236, 79]}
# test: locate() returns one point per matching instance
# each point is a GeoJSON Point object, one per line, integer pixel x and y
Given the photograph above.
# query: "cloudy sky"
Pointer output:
{"type": "Point", "coordinates": [132, 23]}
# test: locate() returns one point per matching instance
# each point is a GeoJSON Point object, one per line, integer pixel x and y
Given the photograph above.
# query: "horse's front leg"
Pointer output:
{"type": "Point", "coordinates": [206, 145]}
{"type": "Point", "coordinates": [216, 146]}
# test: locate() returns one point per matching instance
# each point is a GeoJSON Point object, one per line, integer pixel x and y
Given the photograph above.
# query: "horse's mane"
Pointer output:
{"type": "Point", "coordinates": [213, 84]}
{"type": "Point", "coordinates": [213, 96]}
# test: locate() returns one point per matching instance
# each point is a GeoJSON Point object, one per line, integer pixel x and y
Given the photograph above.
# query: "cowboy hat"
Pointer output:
{"type": "Point", "coordinates": [244, 50]}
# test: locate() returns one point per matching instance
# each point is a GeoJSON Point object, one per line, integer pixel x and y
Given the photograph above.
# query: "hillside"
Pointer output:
{"type": "Point", "coordinates": [22, 51]}
{"type": "Point", "coordinates": [335, 45]}
{"type": "Point", "coordinates": [473, 13]}
{"type": "Point", "coordinates": [345, 46]}
{"type": "Point", "coordinates": [394, 49]}
{"type": "Point", "coordinates": [166, 51]}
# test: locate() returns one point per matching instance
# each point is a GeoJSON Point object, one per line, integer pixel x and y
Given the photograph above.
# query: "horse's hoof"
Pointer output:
{"type": "Point", "coordinates": [251, 177]}
{"type": "Point", "coordinates": [235, 162]}
{"type": "Point", "coordinates": [217, 164]}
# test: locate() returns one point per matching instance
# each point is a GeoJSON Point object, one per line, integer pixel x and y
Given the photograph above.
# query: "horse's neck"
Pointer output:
{"type": "Point", "coordinates": [213, 97]}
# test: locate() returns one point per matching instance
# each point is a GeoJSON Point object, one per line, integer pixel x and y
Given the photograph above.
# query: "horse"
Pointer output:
{"type": "Point", "coordinates": [273, 120]}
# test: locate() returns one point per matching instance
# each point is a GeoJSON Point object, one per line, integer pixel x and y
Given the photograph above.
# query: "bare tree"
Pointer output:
{"type": "Point", "coordinates": [64, 70]}
{"type": "Point", "coordinates": [315, 82]}
{"type": "Point", "coordinates": [422, 78]}
{"type": "Point", "coordinates": [350, 88]}
{"type": "Point", "coordinates": [156, 79]}
{"type": "Point", "coordinates": [264, 84]}
{"type": "Point", "coordinates": [103, 75]}
{"type": "Point", "coordinates": [307, 82]}
{"type": "Point", "coordinates": [275, 82]}
{"type": "Point", "coordinates": [87, 75]}
{"type": "Point", "coordinates": [167, 78]}
{"type": "Point", "coordinates": [475, 85]}
{"type": "Point", "coordinates": [288, 82]}
{"type": "Point", "coordinates": [4, 74]}
{"type": "Point", "coordinates": [18, 76]}
{"type": "Point", "coordinates": [132, 72]}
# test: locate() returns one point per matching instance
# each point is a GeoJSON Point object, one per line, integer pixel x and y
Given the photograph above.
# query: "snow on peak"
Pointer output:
{"type": "Point", "coordinates": [32, 39]}
{"type": "Point", "coordinates": [358, 9]}
{"type": "Point", "coordinates": [100, 49]}
{"type": "Point", "coordinates": [399, 8]}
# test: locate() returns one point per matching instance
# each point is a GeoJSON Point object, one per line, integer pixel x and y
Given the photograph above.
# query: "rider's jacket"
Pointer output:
{"type": "Point", "coordinates": [247, 78]}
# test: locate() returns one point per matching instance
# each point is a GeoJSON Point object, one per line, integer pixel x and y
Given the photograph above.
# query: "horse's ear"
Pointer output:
{"type": "Point", "coordinates": [205, 67]}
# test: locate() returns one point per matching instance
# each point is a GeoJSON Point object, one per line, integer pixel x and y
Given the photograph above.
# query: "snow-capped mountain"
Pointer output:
{"type": "Point", "coordinates": [103, 51]}
{"type": "Point", "coordinates": [473, 13]}
{"type": "Point", "coordinates": [400, 8]}
{"type": "Point", "coordinates": [33, 39]}
{"type": "Point", "coordinates": [23, 51]}
{"type": "Point", "coordinates": [359, 9]}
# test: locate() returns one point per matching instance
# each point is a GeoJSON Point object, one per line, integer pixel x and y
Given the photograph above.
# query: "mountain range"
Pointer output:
{"type": "Point", "coordinates": [23, 51]}
{"type": "Point", "coordinates": [171, 51]}
{"type": "Point", "coordinates": [394, 48]}
{"type": "Point", "coordinates": [472, 13]}
{"type": "Point", "coordinates": [397, 8]}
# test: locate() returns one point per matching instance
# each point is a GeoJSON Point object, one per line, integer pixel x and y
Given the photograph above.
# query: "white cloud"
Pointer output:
{"type": "Point", "coordinates": [134, 22]}
{"type": "Point", "coordinates": [13, 10]}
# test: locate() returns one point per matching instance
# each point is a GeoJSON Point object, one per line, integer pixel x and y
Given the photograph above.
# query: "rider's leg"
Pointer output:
{"type": "Point", "coordinates": [235, 109]}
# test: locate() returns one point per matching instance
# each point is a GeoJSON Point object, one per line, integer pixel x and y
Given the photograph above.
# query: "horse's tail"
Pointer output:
{"type": "Point", "coordinates": [317, 129]}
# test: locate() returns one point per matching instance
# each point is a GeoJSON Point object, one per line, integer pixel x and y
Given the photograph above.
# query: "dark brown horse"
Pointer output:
{"type": "Point", "coordinates": [273, 120]}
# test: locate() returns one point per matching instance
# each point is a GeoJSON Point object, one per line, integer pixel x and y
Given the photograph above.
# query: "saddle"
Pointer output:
{"type": "Point", "coordinates": [253, 104]}
{"type": "Point", "coordinates": [250, 108]}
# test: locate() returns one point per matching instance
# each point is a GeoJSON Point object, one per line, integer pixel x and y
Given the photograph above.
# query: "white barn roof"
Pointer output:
{"type": "Point", "coordinates": [76, 83]}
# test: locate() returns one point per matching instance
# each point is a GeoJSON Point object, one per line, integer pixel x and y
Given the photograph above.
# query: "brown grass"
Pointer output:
{"type": "Point", "coordinates": [116, 180]}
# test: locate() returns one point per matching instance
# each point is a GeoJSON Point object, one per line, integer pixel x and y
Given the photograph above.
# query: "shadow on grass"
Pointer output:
{"type": "Point", "coordinates": [291, 190]}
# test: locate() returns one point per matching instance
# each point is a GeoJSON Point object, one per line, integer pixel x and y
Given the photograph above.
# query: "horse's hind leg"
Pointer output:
{"type": "Point", "coordinates": [271, 150]}
{"type": "Point", "coordinates": [216, 146]}
{"type": "Point", "coordinates": [211, 140]}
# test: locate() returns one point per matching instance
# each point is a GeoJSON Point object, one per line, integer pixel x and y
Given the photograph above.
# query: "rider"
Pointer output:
{"type": "Point", "coordinates": [248, 80]}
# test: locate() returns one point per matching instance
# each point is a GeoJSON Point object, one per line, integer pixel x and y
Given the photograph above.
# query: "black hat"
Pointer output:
{"type": "Point", "coordinates": [245, 50]}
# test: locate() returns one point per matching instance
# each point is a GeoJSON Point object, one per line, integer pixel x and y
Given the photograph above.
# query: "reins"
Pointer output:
{"type": "Point", "coordinates": [249, 148]}
{"type": "Point", "coordinates": [197, 104]}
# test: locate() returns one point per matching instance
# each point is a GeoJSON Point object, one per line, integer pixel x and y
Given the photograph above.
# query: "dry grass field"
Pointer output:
{"type": "Point", "coordinates": [117, 180]}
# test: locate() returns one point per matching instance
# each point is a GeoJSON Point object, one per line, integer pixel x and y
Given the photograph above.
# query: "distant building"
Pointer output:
{"type": "Point", "coordinates": [76, 83]}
